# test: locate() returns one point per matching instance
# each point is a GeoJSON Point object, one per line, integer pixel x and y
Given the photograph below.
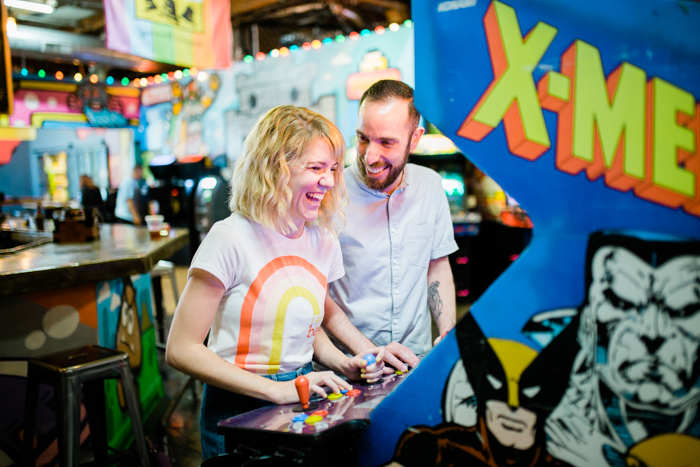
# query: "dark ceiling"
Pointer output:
{"type": "Point", "coordinates": [258, 26]}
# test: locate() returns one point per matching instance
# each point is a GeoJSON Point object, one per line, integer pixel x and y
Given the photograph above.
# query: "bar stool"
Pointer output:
{"type": "Point", "coordinates": [66, 371]}
{"type": "Point", "coordinates": [163, 268]}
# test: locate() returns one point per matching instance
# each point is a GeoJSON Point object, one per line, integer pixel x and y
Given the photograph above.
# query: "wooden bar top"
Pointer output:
{"type": "Point", "coordinates": [122, 250]}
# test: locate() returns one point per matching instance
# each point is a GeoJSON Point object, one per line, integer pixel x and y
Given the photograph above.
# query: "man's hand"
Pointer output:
{"type": "Point", "coordinates": [398, 356]}
{"type": "Point", "coordinates": [441, 337]}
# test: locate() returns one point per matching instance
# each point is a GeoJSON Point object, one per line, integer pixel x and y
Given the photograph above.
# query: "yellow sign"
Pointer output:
{"type": "Point", "coordinates": [185, 15]}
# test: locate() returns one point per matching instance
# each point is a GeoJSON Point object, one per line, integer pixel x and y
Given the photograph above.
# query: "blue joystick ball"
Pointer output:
{"type": "Point", "coordinates": [369, 358]}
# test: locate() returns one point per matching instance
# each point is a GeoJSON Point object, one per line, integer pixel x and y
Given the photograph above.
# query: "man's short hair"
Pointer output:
{"type": "Point", "coordinates": [387, 90]}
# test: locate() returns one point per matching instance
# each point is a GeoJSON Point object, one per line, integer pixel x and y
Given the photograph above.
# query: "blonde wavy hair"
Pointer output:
{"type": "Point", "coordinates": [260, 183]}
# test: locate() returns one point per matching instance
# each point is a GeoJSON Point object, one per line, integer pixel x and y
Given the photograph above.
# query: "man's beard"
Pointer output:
{"type": "Point", "coordinates": [392, 176]}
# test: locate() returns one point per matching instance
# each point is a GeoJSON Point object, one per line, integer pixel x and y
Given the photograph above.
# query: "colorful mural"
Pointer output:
{"type": "Point", "coordinates": [214, 118]}
{"type": "Point", "coordinates": [92, 104]}
{"type": "Point", "coordinates": [586, 351]}
{"type": "Point", "coordinates": [116, 314]}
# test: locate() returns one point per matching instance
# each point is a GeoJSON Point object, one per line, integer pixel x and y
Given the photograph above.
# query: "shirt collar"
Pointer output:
{"type": "Point", "coordinates": [355, 174]}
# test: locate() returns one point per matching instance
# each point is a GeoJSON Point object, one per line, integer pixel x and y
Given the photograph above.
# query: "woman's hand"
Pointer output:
{"type": "Point", "coordinates": [356, 368]}
{"type": "Point", "coordinates": [317, 380]}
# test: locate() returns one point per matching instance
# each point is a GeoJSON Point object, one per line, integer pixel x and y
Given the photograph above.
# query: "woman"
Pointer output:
{"type": "Point", "coordinates": [259, 279]}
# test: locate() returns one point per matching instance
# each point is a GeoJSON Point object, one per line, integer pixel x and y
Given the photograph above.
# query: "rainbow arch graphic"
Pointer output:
{"type": "Point", "coordinates": [264, 310]}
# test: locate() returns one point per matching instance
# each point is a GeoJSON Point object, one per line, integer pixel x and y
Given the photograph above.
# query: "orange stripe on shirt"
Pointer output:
{"type": "Point", "coordinates": [254, 291]}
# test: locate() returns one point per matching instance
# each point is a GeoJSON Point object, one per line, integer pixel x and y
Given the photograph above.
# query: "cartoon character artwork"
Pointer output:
{"type": "Point", "coordinates": [129, 334]}
{"type": "Point", "coordinates": [637, 374]}
{"type": "Point", "coordinates": [495, 403]}
{"type": "Point", "coordinates": [101, 109]}
{"type": "Point", "coordinates": [190, 101]}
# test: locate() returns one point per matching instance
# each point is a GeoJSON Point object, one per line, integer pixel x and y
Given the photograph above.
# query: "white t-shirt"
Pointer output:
{"type": "Point", "coordinates": [275, 292]}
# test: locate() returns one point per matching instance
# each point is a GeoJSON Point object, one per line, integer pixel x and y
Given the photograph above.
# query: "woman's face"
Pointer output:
{"type": "Point", "coordinates": [310, 181]}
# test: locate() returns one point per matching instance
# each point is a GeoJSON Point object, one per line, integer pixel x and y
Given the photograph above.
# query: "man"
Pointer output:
{"type": "Point", "coordinates": [396, 240]}
{"type": "Point", "coordinates": [127, 209]}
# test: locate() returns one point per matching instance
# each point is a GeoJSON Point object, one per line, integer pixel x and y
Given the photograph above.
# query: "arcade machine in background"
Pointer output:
{"type": "Point", "coordinates": [190, 193]}
{"type": "Point", "coordinates": [489, 232]}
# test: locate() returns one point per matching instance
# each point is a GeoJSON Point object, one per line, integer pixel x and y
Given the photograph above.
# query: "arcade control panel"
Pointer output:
{"type": "Point", "coordinates": [326, 427]}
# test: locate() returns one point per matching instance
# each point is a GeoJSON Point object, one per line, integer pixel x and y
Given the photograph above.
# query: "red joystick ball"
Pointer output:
{"type": "Point", "coordinates": [302, 385]}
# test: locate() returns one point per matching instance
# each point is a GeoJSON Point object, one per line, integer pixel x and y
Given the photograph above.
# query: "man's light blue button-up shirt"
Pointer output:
{"type": "Point", "coordinates": [388, 243]}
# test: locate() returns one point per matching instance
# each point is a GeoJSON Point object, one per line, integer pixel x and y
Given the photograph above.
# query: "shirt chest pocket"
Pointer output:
{"type": "Point", "coordinates": [419, 245]}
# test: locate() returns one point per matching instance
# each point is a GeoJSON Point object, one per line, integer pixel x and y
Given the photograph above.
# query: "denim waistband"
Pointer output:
{"type": "Point", "coordinates": [290, 375]}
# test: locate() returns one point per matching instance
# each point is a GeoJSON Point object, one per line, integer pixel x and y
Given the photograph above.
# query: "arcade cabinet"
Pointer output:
{"type": "Point", "coordinates": [190, 194]}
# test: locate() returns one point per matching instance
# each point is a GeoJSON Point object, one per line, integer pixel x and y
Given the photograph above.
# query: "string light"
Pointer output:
{"type": "Point", "coordinates": [202, 75]}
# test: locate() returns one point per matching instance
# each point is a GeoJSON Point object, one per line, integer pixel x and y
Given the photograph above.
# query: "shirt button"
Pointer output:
{"type": "Point", "coordinates": [393, 231]}
{"type": "Point", "coordinates": [396, 321]}
{"type": "Point", "coordinates": [396, 292]}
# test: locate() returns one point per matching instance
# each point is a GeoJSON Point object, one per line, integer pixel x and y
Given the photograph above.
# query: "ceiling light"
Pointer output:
{"type": "Point", "coordinates": [11, 25]}
{"type": "Point", "coordinates": [29, 6]}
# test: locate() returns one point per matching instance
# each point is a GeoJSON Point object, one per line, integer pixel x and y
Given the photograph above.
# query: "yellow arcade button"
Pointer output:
{"type": "Point", "coordinates": [398, 372]}
{"type": "Point", "coordinates": [311, 419]}
{"type": "Point", "coordinates": [334, 397]}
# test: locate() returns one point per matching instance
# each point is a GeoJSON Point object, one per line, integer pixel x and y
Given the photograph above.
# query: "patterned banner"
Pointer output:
{"type": "Point", "coordinates": [182, 32]}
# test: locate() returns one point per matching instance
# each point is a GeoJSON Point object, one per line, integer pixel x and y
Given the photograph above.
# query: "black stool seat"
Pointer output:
{"type": "Point", "coordinates": [66, 371]}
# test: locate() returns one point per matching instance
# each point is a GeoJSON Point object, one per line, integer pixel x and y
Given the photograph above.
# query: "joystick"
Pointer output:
{"type": "Point", "coordinates": [370, 359]}
{"type": "Point", "coordinates": [302, 385]}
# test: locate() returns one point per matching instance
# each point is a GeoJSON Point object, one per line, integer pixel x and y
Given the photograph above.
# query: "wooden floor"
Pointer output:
{"type": "Point", "coordinates": [183, 426]}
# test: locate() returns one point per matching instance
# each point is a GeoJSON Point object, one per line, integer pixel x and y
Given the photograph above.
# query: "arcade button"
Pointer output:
{"type": "Point", "coordinates": [343, 391]}
{"type": "Point", "coordinates": [321, 413]}
{"type": "Point", "coordinates": [313, 419]}
{"type": "Point", "coordinates": [354, 393]}
{"type": "Point", "coordinates": [398, 372]}
{"type": "Point", "coordinates": [300, 418]}
{"type": "Point", "coordinates": [334, 397]}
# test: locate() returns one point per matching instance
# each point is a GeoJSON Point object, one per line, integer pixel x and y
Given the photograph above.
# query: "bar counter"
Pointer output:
{"type": "Point", "coordinates": [121, 250]}
{"type": "Point", "coordinates": [60, 296]}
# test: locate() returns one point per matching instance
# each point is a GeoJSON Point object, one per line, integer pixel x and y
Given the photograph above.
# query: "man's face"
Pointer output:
{"type": "Point", "coordinates": [512, 427]}
{"type": "Point", "coordinates": [384, 140]}
{"type": "Point", "coordinates": [648, 325]}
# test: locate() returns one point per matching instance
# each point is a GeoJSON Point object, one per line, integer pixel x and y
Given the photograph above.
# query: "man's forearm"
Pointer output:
{"type": "Point", "coordinates": [441, 294]}
{"type": "Point", "coordinates": [337, 323]}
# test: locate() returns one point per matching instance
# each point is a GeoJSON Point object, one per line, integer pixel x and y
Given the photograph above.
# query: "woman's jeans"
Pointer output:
{"type": "Point", "coordinates": [219, 404]}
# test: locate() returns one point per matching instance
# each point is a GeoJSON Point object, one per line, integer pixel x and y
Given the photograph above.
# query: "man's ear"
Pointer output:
{"type": "Point", "coordinates": [415, 137]}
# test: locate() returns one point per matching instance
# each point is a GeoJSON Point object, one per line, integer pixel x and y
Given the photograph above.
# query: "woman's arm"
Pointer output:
{"type": "Point", "coordinates": [186, 351]}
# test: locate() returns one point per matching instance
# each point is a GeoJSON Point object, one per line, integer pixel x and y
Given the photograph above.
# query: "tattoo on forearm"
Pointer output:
{"type": "Point", "coordinates": [434, 301]}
